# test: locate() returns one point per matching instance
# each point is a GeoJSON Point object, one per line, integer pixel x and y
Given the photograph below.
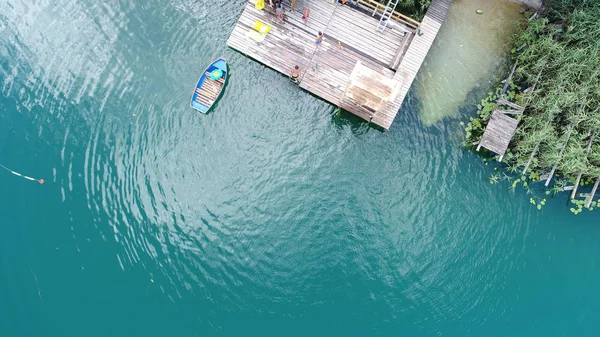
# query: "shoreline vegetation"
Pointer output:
{"type": "Point", "coordinates": [413, 8]}
{"type": "Point", "coordinates": [557, 79]}
{"type": "Point", "coordinates": [416, 9]}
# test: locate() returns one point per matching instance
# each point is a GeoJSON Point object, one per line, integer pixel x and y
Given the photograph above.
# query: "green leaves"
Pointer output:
{"type": "Point", "coordinates": [534, 176]}
{"type": "Point", "coordinates": [559, 64]}
{"type": "Point", "coordinates": [514, 184]}
{"type": "Point", "coordinates": [413, 8]}
{"type": "Point", "coordinates": [539, 204]}
{"type": "Point", "coordinates": [494, 179]}
{"type": "Point", "coordinates": [578, 206]}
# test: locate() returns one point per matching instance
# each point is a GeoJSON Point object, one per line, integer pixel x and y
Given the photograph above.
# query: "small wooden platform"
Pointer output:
{"type": "Point", "coordinates": [501, 126]}
{"type": "Point", "coordinates": [350, 36]}
{"type": "Point", "coordinates": [498, 133]}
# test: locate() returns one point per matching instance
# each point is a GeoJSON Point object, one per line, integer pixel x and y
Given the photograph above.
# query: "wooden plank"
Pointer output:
{"type": "Point", "coordinates": [591, 196]}
{"type": "Point", "coordinates": [587, 152]}
{"type": "Point", "coordinates": [359, 30]}
{"type": "Point", "coordinates": [507, 81]}
{"type": "Point", "coordinates": [326, 70]}
{"type": "Point", "coordinates": [560, 154]}
{"type": "Point", "coordinates": [358, 111]}
{"type": "Point", "coordinates": [535, 150]}
{"type": "Point", "coordinates": [498, 133]}
{"type": "Point", "coordinates": [504, 101]}
{"type": "Point", "coordinates": [268, 53]}
{"type": "Point", "coordinates": [401, 51]}
{"type": "Point", "coordinates": [510, 112]}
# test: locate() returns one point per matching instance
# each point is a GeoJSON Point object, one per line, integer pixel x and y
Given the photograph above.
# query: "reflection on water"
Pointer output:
{"type": "Point", "coordinates": [467, 51]}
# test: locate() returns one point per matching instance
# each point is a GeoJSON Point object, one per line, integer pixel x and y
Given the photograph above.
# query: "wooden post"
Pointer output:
{"type": "Point", "coordinates": [507, 83]}
{"type": "Point", "coordinates": [559, 155]}
{"type": "Point", "coordinates": [591, 196]}
{"type": "Point", "coordinates": [535, 149]}
{"type": "Point", "coordinates": [587, 152]}
{"type": "Point", "coordinates": [401, 51]}
{"type": "Point", "coordinates": [576, 185]}
{"type": "Point", "coordinates": [537, 146]}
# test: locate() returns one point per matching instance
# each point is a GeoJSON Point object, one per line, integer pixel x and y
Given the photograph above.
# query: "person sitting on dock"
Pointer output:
{"type": "Point", "coordinates": [305, 15]}
{"type": "Point", "coordinates": [319, 39]}
{"type": "Point", "coordinates": [295, 74]}
{"type": "Point", "coordinates": [342, 2]}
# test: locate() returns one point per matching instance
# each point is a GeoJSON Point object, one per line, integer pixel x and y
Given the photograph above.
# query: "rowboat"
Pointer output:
{"type": "Point", "coordinates": [210, 86]}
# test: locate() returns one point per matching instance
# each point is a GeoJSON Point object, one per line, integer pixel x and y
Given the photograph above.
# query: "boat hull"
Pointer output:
{"type": "Point", "coordinates": [208, 89]}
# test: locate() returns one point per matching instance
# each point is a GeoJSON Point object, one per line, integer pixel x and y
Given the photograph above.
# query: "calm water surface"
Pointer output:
{"type": "Point", "coordinates": [273, 216]}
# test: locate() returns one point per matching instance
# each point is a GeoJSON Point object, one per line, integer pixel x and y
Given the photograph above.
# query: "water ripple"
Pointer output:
{"type": "Point", "coordinates": [270, 197]}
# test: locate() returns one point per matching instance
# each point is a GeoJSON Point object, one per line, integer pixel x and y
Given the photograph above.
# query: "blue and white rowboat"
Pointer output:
{"type": "Point", "coordinates": [210, 86]}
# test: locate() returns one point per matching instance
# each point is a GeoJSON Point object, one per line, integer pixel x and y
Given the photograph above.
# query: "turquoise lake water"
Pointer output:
{"type": "Point", "coordinates": [272, 216]}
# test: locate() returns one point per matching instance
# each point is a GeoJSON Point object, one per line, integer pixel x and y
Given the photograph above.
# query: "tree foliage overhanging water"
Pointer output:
{"type": "Point", "coordinates": [413, 8]}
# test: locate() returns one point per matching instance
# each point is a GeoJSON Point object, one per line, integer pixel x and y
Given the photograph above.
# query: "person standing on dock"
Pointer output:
{"type": "Point", "coordinates": [319, 39]}
{"type": "Point", "coordinates": [279, 12]}
{"type": "Point", "coordinates": [305, 15]}
{"type": "Point", "coordinates": [295, 74]}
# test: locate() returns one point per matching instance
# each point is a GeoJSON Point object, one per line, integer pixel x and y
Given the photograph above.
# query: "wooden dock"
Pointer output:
{"type": "Point", "coordinates": [501, 127]}
{"type": "Point", "coordinates": [357, 68]}
{"type": "Point", "coordinates": [498, 133]}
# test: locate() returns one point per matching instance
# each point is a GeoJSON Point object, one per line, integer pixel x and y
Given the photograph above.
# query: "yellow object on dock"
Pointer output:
{"type": "Point", "coordinates": [393, 56]}
{"type": "Point", "coordinates": [260, 4]}
{"type": "Point", "coordinates": [261, 27]}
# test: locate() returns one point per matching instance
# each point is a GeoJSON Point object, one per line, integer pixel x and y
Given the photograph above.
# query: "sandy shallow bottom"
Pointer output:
{"type": "Point", "coordinates": [466, 55]}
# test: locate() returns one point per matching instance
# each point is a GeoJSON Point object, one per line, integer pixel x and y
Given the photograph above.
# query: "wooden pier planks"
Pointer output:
{"type": "Point", "coordinates": [358, 30]}
{"type": "Point", "coordinates": [350, 36]}
{"type": "Point", "coordinates": [498, 133]}
{"type": "Point", "coordinates": [413, 59]}
{"type": "Point", "coordinates": [281, 49]}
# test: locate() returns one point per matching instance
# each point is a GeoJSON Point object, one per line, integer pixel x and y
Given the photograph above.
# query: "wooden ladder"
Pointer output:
{"type": "Point", "coordinates": [386, 16]}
